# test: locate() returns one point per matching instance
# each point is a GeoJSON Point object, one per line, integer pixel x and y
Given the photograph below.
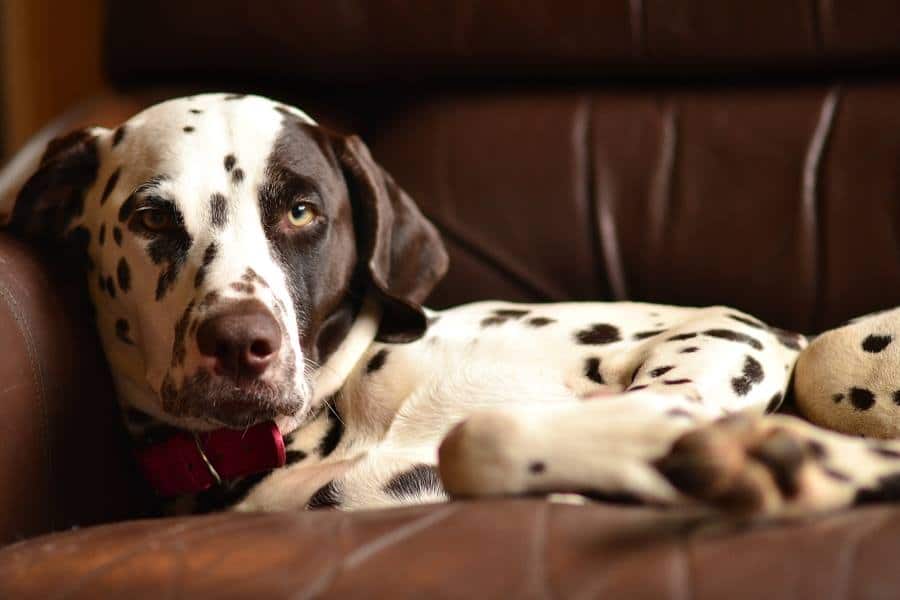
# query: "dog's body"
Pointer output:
{"type": "Point", "coordinates": [249, 266]}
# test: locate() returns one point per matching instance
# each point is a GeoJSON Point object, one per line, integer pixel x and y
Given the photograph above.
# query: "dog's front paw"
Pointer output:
{"type": "Point", "coordinates": [756, 465]}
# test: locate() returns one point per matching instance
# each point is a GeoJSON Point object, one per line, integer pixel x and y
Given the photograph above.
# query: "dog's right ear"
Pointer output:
{"type": "Point", "coordinates": [53, 197]}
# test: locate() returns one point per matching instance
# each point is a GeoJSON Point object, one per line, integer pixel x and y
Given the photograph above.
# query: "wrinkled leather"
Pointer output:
{"type": "Point", "coordinates": [767, 181]}
{"type": "Point", "coordinates": [487, 549]}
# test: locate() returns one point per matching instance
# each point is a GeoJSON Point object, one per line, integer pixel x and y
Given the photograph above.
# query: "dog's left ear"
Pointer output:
{"type": "Point", "coordinates": [54, 195]}
{"type": "Point", "coordinates": [404, 254]}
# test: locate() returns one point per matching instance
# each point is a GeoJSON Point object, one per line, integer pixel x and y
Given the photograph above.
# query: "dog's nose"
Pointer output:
{"type": "Point", "coordinates": [243, 339]}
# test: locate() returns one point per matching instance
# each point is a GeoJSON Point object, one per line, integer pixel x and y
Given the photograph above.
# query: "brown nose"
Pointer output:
{"type": "Point", "coordinates": [243, 340]}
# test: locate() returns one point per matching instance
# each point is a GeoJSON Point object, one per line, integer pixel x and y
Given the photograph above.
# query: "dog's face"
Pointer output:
{"type": "Point", "coordinates": [229, 242]}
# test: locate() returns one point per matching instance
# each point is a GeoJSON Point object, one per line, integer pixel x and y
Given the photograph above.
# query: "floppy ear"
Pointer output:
{"type": "Point", "coordinates": [54, 195]}
{"type": "Point", "coordinates": [404, 254]}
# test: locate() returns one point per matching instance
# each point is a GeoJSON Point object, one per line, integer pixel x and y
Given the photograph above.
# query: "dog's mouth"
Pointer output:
{"type": "Point", "coordinates": [222, 401]}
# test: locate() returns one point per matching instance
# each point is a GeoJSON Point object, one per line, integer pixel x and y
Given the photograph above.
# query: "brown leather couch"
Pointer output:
{"type": "Point", "coordinates": [690, 151]}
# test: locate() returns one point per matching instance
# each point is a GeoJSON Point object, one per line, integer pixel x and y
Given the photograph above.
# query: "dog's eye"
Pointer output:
{"type": "Point", "coordinates": [156, 219]}
{"type": "Point", "coordinates": [302, 214]}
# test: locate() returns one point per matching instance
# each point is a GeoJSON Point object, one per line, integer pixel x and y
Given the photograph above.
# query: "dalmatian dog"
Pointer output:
{"type": "Point", "coordinates": [258, 282]}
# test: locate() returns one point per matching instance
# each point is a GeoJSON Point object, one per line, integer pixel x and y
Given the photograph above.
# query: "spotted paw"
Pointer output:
{"type": "Point", "coordinates": [755, 465]}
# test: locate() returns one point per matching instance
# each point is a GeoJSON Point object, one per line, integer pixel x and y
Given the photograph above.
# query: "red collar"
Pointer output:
{"type": "Point", "coordinates": [188, 463]}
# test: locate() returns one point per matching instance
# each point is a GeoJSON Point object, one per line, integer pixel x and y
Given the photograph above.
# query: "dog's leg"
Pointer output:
{"type": "Point", "coordinates": [605, 446]}
{"type": "Point", "coordinates": [609, 444]}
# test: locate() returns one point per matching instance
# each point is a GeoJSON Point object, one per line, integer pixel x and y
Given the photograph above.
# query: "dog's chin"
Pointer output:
{"type": "Point", "coordinates": [220, 401]}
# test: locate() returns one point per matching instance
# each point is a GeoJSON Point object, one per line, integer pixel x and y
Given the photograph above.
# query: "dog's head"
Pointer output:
{"type": "Point", "coordinates": [229, 242]}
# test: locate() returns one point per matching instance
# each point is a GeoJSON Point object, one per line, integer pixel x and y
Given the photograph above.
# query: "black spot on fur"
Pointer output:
{"type": "Point", "coordinates": [327, 496]}
{"type": "Point", "coordinates": [751, 374]}
{"type": "Point", "coordinates": [679, 412]}
{"type": "Point", "coordinates": [335, 431]}
{"type": "Point", "coordinates": [294, 456]}
{"type": "Point", "coordinates": [677, 381]}
{"type": "Point", "coordinates": [592, 370]}
{"type": "Point", "coordinates": [110, 287]}
{"type": "Point", "coordinates": [816, 449]}
{"type": "Point", "coordinates": [218, 210]}
{"type": "Point", "coordinates": [886, 452]}
{"type": "Point", "coordinates": [243, 287]}
{"type": "Point", "coordinates": [491, 321]}
{"type": "Point", "coordinates": [635, 388]}
{"type": "Point", "coordinates": [896, 397]}
{"type": "Point", "coordinates": [876, 343]}
{"type": "Point", "coordinates": [123, 331]}
{"type": "Point", "coordinates": [510, 313]}
{"type": "Point", "coordinates": [681, 336]}
{"type": "Point", "coordinates": [229, 162]}
{"type": "Point", "coordinates": [746, 321]}
{"type": "Point", "coordinates": [862, 399]}
{"type": "Point", "coordinates": [537, 467]}
{"type": "Point", "coordinates": [101, 237]}
{"type": "Point", "coordinates": [417, 481]}
{"type": "Point", "coordinates": [660, 371]}
{"type": "Point", "coordinates": [118, 135]}
{"type": "Point", "coordinates": [195, 111]}
{"type": "Point", "coordinates": [170, 250]}
{"type": "Point", "coordinates": [540, 321]}
{"type": "Point", "coordinates": [237, 176]}
{"type": "Point", "coordinates": [688, 350]}
{"type": "Point", "coordinates": [643, 335]}
{"type": "Point", "coordinates": [837, 398]}
{"type": "Point", "coordinates": [786, 338]}
{"type": "Point", "coordinates": [887, 490]}
{"type": "Point", "coordinates": [208, 256]}
{"type": "Point", "coordinates": [110, 185]}
{"type": "Point", "coordinates": [117, 236]}
{"type": "Point", "coordinates": [734, 336]}
{"type": "Point", "coordinates": [187, 129]}
{"type": "Point", "coordinates": [598, 334]}
{"type": "Point", "coordinates": [127, 208]}
{"type": "Point", "coordinates": [123, 275]}
{"type": "Point", "coordinates": [836, 475]}
{"type": "Point", "coordinates": [377, 361]}
{"type": "Point", "coordinates": [774, 403]}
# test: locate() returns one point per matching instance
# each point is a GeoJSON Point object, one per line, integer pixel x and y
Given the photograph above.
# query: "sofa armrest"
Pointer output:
{"type": "Point", "coordinates": [64, 457]}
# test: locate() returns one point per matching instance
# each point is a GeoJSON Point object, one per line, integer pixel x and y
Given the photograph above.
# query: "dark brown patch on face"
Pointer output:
{"type": "Point", "coordinates": [110, 287]}
{"type": "Point", "coordinates": [681, 336]}
{"type": "Point", "coordinates": [862, 399]}
{"type": "Point", "coordinates": [123, 275]}
{"type": "Point", "coordinates": [676, 381]}
{"type": "Point", "coordinates": [251, 276]}
{"type": "Point", "coordinates": [537, 467]}
{"type": "Point", "coordinates": [187, 129]}
{"type": "Point", "coordinates": [688, 350]}
{"type": "Point", "coordinates": [326, 496]}
{"type": "Point", "coordinates": [874, 344]}
{"type": "Point", "coordinates": [195, 111]}
{"type": "Point", "coordinates": [127, 208]}
{"type": "Point", "coordinates": [230, 160]}
{"type": "Point", "coordinates": [110, 185]}
{"type": "Point", "coordinates": [117, 236]}
{"type": "Point", "coordinates": [101, 237]}
{"type": "Point", "coordinates": [774, 403]}
{"type": "Point", "coordinates": [319, 261]}
{"type": "Point", "coordinates": [237, 176]}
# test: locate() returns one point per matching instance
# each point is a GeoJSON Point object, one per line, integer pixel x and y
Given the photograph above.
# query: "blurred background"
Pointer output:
{"type": "Point", "coordinates": [51, 58]}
